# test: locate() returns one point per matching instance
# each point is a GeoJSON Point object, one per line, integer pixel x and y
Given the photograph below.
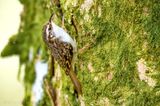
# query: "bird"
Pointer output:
{"type": "Point", "coordinates": [63, 49]}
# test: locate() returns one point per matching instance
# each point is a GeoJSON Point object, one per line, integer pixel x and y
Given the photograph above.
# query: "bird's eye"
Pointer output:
{"type": "Point", "coordinates": [49, 28]}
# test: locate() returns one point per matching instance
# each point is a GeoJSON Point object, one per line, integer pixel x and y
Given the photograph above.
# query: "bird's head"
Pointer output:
{"type": "Point", "coordinates": [48, 29]}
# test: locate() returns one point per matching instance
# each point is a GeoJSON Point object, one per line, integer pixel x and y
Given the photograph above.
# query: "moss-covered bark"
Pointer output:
{"type": "Point", "coordinates": [112, 37]}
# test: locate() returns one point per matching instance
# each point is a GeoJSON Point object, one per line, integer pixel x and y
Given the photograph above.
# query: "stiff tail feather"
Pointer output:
{"type": "Point", "coordinates": [75, 81]}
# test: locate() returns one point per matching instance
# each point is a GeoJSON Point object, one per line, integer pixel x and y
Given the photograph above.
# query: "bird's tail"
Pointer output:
{"type": "Point", "coordinates": [75, 81]}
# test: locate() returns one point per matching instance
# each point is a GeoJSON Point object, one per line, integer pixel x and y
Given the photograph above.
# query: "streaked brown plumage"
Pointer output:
{"type": "Point", "coordinates": [62, 52]}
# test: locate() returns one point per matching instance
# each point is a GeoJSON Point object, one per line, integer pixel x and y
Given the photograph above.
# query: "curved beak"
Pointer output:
{"type": "Point", "coordinates": [51, 17]}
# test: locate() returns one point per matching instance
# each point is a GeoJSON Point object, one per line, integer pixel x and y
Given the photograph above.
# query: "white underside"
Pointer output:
{"type": "Point", "coordinates": [63, 35]}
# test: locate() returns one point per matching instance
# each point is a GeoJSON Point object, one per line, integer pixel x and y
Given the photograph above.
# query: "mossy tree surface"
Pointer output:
{"type": "Point", "coordinates": [112, 37]}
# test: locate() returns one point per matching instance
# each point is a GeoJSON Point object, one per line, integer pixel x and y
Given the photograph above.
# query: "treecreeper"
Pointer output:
{"type": "Point", "coordinates": [63, 48]}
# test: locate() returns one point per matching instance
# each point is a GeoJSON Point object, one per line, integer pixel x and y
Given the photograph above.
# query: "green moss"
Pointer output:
{"type": "Point", "coordinates": [119, 33]}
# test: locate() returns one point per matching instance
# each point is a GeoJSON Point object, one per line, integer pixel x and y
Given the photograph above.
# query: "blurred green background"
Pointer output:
{"type": "Point", "coordinates": [118, 49]}
{"type": "Point", "coordinates": [11, 90]}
